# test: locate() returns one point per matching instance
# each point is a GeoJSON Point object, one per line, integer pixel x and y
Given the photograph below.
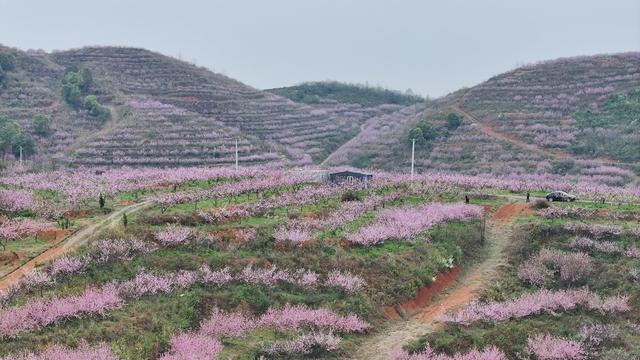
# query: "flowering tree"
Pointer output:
{"type": "Point", "coordinates": [193, 346]}
{"type": "Point", "coordinates": [173, 235]}
{"type": "Point", "coordinates": [44, 312]}
{"type": "Point", "coordinates": [344, 280]}
{"type": "Point", "coordinates": [547, 347]}
{"type": "Point", "coordinates": [289, 318]}
{"type": "Point", "coordinates": [56, 352]}
{"type": "Point", "coordinates": [406, 223]}
{"type": "Point", "coordinates": [12, 229]}
{"type": "Point", "coordinates": [608, 247]}
{"type": "Point", "coordinates": [572, 267]}
{"type": "Point", "coordinates": [490, 353]}
{"type": "Point", "coordinates": [541, 301]}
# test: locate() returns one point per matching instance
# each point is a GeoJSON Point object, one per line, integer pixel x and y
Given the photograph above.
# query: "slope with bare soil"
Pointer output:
{"type": "Point", "coordinates": [392, 338]}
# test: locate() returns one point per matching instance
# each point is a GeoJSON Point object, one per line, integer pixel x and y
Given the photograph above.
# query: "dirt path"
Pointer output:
{"type": "Point", "coordinates": [72, 242]}
{"type": "Point", "coordinates": [363, 127]}
{"type": "Point", "coordinates": [391, 340]}
{"type": "Point", "coordinates": [491, 131]}
{"type": "Point", "coordinates": [514, 140]}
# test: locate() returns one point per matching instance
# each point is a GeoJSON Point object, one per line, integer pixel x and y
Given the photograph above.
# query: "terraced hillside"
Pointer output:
{"type": "Point", "coordinates": [165, 111]}
{"type": "Point", "coordinates": [531, 119]}
{"type": "Point", "coordinates": [569, 116]}
{"type": "Point", "coordinates": [32, 88]}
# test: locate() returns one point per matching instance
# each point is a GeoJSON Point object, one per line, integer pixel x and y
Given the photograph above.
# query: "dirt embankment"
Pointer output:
{"type": "Point", "coordinates": [449, 294]}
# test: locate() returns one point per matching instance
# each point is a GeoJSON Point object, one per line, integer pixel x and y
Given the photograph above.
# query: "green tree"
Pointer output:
{"type": "Point", "coordinates": [416, 133]}
{"type": "Point", "coordinates": [28, 146]}
{"type": "Point", "coordinates": [86, 79]}
{"type": "Point", "coordinates": [41, 125]}
{"type": "Point", "coordinates": [71, 92]}
{"type": "Point", "coordinates": [96, 109]}
{"type": "Point", "coordinates": [429, 132]}
{"type": "Point", "coordinates": [91, 103]}
{"type": "Point", "coordinates": [74, 85]}
{"type": "Point", "coordinates": [7, 61]}
{"type": "Point", "coordinates": [9, 131]}
{"type": "Point", "coordinates": [453, 121]}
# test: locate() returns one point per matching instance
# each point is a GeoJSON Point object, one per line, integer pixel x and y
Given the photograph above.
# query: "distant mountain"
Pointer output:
{"type": "Point", "coordinates": [334, 91]}
{"type": "Point", "coordinates": [575, 115]}
{"type": "Point", "coordinates": [125, 106]}
{"type": "Point", "coordinates": [165, 112]}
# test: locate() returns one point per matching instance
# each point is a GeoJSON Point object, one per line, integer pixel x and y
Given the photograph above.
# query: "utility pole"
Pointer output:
{"type": "Point", "coordinates": [20, 155]}
{"type": "Point", "coordinates": [413, 155]}
{"type": "Point", "coordinates": [236, 154]}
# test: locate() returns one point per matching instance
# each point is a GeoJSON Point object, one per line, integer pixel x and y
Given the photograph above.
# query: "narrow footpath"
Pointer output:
{"type": "Point", "coordinates": [72, 242]}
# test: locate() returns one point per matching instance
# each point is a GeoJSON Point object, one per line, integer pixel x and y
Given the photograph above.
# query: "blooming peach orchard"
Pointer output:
{"type": "Point", "coordinates": [259, 262]}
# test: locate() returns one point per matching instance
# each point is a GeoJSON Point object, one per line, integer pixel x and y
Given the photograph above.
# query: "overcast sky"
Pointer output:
{"type": "Point", "coordinates": [428, 46]}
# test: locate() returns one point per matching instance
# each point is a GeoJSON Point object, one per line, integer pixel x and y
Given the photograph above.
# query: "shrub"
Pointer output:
{"type": "Point", "coordinates": [304, 344]}
{"type": "Point", "coordinates": [349, 195]}
{"type": "Point", "coordinates": [96, 109]}
{"type": "Point", "coordinates": [41, 125]}
{"type": "Point", "coordinates": [540, 204]}
{"type": "Point", "coordinates": [453, 121]}
{"type": "Point", "coordinates": [7, 61]}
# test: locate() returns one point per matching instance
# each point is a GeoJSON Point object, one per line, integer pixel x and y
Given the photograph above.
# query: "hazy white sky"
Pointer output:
{"type": "Point", "coordinates": [432, 47]}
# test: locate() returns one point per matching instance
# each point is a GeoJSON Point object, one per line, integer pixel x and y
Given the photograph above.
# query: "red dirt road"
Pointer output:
{"type": "Point", "coordinates": [425, 320]}
{"type": "Point", "coordinates": [72, 242]}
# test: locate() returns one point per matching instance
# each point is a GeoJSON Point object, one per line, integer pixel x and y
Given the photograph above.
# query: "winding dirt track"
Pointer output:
{"type": "Point", "coordinates": [72, 242]}
{"type": "Point", "coordinates": [516, 141]}
{"type": "Point", "coordinates": [499, 228]}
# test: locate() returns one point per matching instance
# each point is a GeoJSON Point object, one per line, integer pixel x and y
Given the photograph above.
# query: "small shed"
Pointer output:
{"type": "Point", "coordinates": [350, 177]}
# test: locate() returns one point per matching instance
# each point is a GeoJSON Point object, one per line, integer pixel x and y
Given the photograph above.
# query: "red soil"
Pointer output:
{"type": "Point", "coordinates": [53, 234]}
{"type": "Point", "coordinates": [76, 214]}
{"type": "Point", "coordinates": [419, 305]}
{"type": "Point", "coordinates": [425, 294]}
{"type": "Point", "coordinates": [11, 257]}
{"type": "Point", "coordinates": [508, 211]}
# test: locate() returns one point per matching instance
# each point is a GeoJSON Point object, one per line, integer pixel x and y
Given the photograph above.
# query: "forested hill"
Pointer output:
{"type": "Point", "coordinates": [334, 91]}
